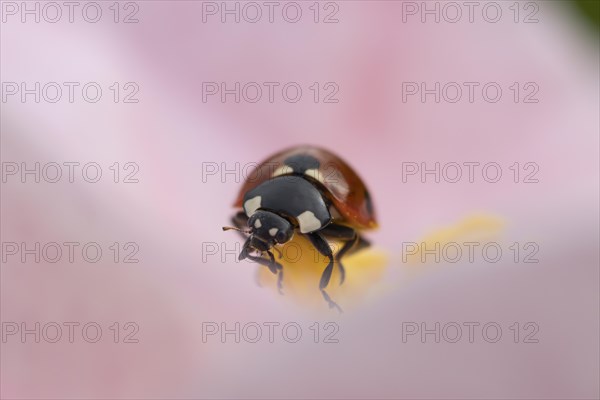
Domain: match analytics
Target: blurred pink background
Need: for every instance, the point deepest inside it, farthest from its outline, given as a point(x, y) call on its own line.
point(170, 133)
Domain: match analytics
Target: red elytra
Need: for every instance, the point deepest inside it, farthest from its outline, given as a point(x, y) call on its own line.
point(343, 187)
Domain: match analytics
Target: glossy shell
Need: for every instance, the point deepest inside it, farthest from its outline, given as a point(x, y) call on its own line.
point(290, 196)
point(342, 186)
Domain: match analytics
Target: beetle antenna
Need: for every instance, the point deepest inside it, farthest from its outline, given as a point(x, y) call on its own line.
point(227, 228)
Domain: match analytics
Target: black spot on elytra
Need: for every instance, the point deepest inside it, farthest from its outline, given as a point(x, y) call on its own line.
point(302, 162)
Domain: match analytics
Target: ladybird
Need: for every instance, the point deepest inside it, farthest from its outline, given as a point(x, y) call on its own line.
point(309, 191)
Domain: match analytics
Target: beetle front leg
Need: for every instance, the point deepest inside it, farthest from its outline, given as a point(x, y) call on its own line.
point(273, 266)
point(350, 238)
point(245, 250)
point(279, 274)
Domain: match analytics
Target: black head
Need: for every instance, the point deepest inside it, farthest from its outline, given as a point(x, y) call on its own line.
point(269, 228)
point(266, 229)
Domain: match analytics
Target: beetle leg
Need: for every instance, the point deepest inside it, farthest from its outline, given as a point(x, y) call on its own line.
point(322, 247)
point(273, 266)
point(245, 250)
point(338, 257)
point(336, 231)
point(352, 243)
point(344, 233)
point(279, 274)
point(263, 261)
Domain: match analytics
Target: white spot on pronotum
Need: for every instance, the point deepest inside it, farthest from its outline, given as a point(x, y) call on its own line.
point(315, 174)
point(308, 222)
point(257, 224)
point(273, 231)
point(283, 170)
point(250, 206)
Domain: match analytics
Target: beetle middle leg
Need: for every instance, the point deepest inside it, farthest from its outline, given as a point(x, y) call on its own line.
point(352, 243)
point(322, 247)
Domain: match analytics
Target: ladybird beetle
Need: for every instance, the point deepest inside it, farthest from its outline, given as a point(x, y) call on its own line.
point(310, 191)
